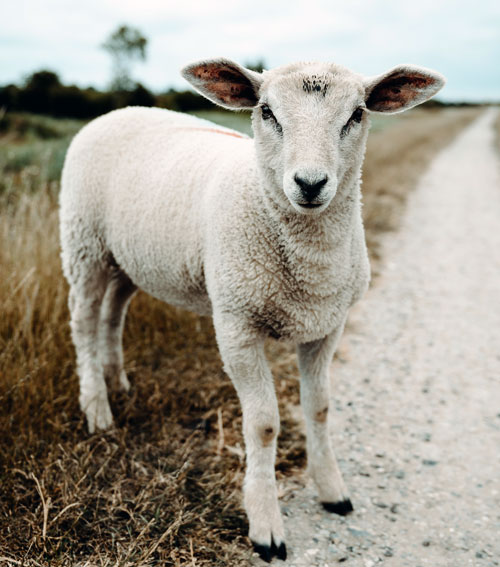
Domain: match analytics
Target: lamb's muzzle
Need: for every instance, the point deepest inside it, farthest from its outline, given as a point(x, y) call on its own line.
point(310, 187)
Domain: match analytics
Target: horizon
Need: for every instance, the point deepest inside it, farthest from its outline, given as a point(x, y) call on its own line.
point(368, 37)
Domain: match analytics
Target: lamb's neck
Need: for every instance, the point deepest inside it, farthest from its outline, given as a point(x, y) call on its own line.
point(317, 236)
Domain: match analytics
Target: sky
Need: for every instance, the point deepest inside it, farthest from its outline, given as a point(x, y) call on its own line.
point(459, 39)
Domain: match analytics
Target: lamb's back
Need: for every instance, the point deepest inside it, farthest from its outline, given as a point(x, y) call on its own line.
point(144, 180)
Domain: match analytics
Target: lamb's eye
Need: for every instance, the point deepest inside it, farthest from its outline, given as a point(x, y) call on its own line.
point(267, 114)
point(356, 116)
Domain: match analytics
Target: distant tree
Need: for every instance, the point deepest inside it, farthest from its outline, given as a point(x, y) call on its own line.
point(9, 97)
point(258, 65)
point(37, 94)
point(183, 101)
point(140, 96)
point(43, 80)
point(125, 45)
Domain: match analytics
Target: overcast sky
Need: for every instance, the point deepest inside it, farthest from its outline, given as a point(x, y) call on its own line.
point(459, 39)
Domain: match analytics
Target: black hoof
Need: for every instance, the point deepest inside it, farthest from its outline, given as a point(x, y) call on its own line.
point(341, 508)
point(264, 551)
point(267, 552)
point(280, 551)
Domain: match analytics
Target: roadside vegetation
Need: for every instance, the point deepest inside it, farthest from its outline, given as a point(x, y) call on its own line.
point(497, 129)
point(163, 486)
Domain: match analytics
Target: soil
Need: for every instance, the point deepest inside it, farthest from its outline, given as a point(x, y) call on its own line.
point(416, 397)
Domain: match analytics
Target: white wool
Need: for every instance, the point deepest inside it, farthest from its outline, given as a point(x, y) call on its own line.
point(218, 223)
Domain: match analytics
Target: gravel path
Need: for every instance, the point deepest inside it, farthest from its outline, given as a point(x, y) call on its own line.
point(417, 426)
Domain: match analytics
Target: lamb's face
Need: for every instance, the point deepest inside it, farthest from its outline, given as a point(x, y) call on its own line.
point(310, 120)
point(310, 128)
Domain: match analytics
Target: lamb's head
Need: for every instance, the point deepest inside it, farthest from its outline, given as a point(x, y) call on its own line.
point(310, 120)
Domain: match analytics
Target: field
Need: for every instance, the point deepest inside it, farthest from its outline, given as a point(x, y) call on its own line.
point(164, 485)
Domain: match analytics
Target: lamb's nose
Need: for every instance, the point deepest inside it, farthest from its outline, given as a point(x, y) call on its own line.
point(310, 189)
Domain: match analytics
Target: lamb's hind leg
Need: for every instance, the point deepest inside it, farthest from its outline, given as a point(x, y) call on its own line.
point(119, 292)
point(87, 288)
point(314, 363)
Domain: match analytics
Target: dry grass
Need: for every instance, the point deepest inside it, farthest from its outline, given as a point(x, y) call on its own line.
point(164, 485)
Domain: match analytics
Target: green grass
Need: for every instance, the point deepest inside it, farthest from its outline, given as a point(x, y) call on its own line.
point(381, 122)
point(32, 150)
point(239, 121)
point(46, 156)
point(22, 126)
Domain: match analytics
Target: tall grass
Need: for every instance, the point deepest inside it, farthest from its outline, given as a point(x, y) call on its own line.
point(163, 486)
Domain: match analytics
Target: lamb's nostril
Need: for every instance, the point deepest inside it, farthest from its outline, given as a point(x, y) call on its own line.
point(310, 189)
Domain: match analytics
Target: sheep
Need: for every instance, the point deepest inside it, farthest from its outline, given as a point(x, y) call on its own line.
point(263, 234)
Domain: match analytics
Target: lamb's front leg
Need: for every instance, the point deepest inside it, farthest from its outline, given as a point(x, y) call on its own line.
point(314, 362)
point(244, 360)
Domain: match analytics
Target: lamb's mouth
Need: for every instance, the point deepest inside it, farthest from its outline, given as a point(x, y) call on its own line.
point(310, 205)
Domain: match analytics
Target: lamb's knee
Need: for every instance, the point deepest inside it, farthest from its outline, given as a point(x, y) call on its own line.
point(321, 415)
point(261, 430)
point(267, 433)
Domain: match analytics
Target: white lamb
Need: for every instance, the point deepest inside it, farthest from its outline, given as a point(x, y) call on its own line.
point(265, 235)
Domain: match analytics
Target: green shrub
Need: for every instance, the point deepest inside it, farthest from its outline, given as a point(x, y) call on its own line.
point(18, 158)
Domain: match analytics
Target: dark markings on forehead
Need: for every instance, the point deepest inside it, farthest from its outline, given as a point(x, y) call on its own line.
point(315, 84)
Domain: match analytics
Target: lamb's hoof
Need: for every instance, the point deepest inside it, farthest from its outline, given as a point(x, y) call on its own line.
point(279, 551)
point(98, 414)
point(116, 377)
point(124, 383)
point(264, 551)
point(267, 552)
point(341, 508)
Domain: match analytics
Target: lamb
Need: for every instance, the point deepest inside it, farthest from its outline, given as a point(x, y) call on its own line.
point(263, 234)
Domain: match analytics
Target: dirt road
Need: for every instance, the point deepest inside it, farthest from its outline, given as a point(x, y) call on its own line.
point(417, 397)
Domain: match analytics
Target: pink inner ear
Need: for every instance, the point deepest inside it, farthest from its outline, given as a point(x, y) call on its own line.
point(226, 83)
point(397, 91)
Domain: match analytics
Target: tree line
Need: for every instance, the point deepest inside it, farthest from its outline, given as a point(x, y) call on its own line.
point(43, 93)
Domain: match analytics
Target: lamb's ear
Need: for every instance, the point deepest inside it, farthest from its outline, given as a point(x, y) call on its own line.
point(401, 88)
point(224, 82)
